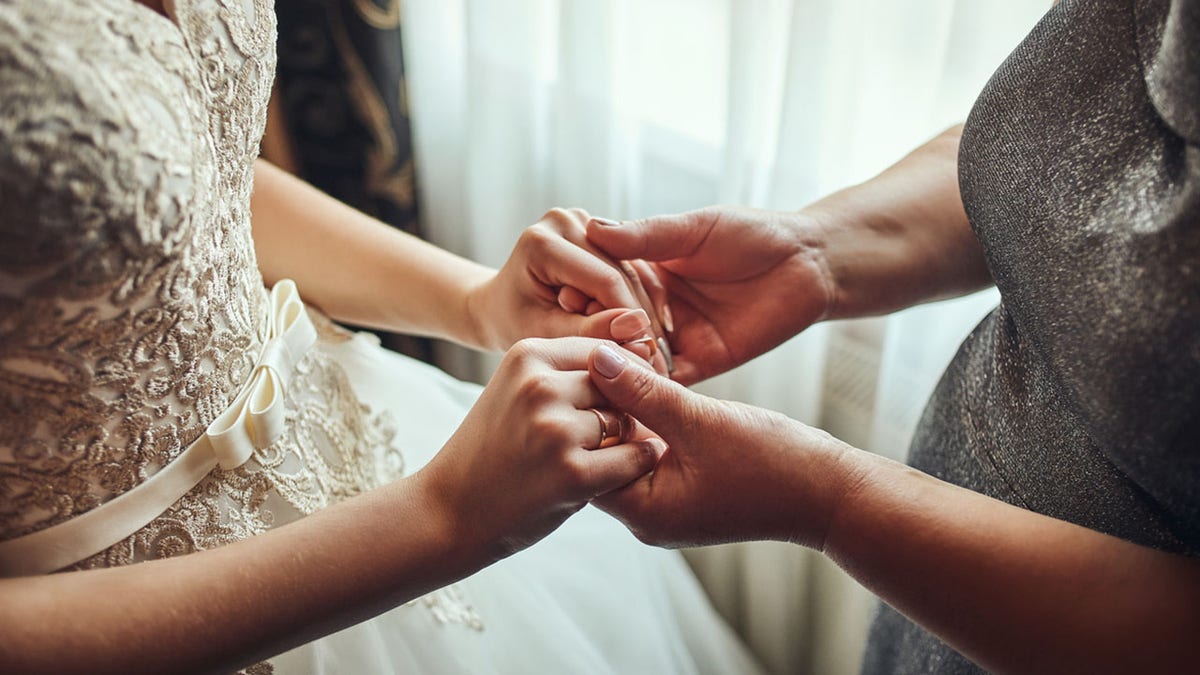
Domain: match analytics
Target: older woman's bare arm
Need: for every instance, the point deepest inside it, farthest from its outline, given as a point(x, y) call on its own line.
point(1013, 590)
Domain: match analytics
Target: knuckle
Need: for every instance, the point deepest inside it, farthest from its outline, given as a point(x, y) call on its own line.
point(578, 219)
point(537, 237)
point(556, 219)
point(548, 429)
point(525, 352)
point(536, 387)
point(645, 456)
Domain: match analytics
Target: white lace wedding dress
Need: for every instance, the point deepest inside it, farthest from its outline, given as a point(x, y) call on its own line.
point(132, 314)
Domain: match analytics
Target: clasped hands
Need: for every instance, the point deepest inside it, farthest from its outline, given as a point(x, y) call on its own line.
point(725, 285)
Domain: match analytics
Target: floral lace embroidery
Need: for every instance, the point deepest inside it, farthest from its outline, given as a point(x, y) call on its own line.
point(131, 306)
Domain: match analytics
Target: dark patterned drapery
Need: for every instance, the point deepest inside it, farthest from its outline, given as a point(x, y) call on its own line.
point(339, 118)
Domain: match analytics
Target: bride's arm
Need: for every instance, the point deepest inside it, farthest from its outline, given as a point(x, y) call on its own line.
point(221, 609)
point(356, 268)
point(359, 270)
point(513, 471)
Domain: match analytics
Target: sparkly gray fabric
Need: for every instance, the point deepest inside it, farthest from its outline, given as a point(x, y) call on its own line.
point(1079, 396)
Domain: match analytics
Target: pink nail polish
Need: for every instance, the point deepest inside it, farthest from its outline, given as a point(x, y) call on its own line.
point(629, 326)
point(609, 363)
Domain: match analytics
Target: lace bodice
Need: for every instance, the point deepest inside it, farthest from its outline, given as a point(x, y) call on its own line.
point(131, 305)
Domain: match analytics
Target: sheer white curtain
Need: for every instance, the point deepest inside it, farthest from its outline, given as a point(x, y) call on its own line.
point(630, 108)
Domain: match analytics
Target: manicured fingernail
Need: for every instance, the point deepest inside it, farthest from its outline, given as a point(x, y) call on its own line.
point(642, 347)
point(668, 321)
point(629, 326)
point(609, 363)
point(606, 222)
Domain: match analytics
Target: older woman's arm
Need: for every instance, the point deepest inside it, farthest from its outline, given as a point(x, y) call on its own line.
point(1013, 590)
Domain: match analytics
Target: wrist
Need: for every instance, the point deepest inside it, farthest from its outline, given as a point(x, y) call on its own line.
point(863, 478)
point(476, 330)
point(462, 547)
point(868, 256)
point(825, 480)
point(815, 229)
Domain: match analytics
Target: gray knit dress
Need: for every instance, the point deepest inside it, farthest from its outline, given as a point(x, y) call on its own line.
point(1079, 396)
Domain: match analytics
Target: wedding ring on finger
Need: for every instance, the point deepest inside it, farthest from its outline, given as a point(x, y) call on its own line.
point(612, 427)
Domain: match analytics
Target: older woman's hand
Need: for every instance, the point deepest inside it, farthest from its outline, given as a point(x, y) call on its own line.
point(729, 283)
point(731, 472)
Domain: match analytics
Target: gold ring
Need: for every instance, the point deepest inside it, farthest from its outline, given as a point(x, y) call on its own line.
point(607, 439)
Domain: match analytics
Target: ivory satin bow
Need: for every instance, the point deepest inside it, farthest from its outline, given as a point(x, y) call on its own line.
point(255, 419)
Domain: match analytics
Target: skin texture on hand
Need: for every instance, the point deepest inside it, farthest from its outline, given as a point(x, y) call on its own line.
point(364, 272)
point(522, 461)
point(526, 297)
point(525, 458)
point(1013, 590)
point(734, 282)
point(730, 472)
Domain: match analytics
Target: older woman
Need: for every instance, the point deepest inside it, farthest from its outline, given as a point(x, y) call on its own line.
point(1051, 519)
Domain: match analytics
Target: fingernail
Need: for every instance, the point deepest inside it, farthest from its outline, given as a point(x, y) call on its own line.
point(606, 222)
point(609, 363)
point(642, 347)
point(631, 325)
point(658, 445)
point(668, 321)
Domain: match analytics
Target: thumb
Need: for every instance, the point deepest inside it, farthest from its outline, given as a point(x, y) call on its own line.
point(656, 238)
point(657, 402)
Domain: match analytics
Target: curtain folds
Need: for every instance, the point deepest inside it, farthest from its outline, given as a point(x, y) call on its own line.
point(630, 108)
point(339, 113)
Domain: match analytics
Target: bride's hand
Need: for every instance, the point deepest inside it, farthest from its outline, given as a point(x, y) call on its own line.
point(525, 458)
point(556, 284)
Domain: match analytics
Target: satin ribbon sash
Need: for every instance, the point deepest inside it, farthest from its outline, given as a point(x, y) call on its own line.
point(254, 420)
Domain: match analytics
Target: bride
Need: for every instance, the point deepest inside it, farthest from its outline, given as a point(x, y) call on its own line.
point(295, 498)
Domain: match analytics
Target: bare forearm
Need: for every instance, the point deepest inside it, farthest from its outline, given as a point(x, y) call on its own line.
point(221, 609)
point(356, 268)
point(901, 238)
point(1014, 590)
